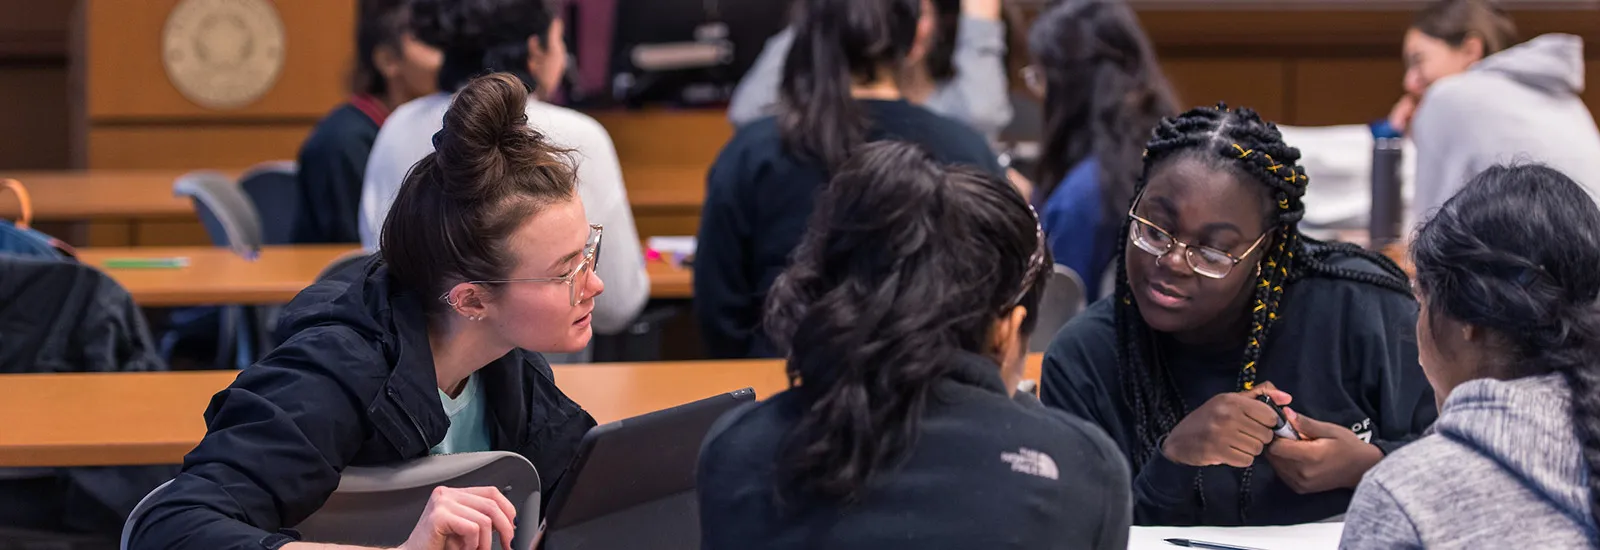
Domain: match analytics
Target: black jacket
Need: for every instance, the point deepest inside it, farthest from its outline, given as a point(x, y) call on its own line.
point(758, 200)
point(63, 316)
point(328, 175)
point(352, 384)
point(57, 315)
point(1346, 351)
point(986, 471)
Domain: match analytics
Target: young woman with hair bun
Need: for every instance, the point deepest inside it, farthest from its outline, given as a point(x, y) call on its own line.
point(433, 347)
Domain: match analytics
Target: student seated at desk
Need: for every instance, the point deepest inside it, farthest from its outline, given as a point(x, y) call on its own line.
point(962, 77)
point(522, 38)
point(421, 351)
point(1219, 299)
point(1509, 336)
point(1481, 99)
point(838, 92)
point(392, 67)
point(906, 315)
point(1102, 92)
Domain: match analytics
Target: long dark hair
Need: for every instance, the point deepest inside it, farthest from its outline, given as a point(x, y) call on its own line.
point(836, 43)
point(1104, 93)
point(1253, 150)
point(906, 261)
point(382, 24)
point(481, 36)
point(491, 172)
point(1454, 21)
point(1515, 252)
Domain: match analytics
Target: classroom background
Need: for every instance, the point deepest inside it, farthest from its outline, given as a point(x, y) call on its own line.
point(118, 116)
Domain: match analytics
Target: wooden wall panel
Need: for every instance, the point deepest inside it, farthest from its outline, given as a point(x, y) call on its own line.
point(1591, 95)
point(33, 125)
point(1256, 83)
point(667, 138)
point(126, 79)
point(182, 148)
point(1344, 91)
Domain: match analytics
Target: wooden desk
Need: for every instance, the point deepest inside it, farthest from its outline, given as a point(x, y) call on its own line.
point(73, 196)
point(668, 282)
point(156, 418)
point(217, 275)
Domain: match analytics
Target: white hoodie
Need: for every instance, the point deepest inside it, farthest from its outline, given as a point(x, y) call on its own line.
point(1519, 105)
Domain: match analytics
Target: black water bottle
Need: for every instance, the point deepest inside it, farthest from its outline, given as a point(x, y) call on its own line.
point(1384, 224)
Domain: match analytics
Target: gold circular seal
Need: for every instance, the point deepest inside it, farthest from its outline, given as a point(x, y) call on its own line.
point(223, 54)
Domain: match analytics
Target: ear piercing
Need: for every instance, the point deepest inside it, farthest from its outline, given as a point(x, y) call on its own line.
point(474, 317)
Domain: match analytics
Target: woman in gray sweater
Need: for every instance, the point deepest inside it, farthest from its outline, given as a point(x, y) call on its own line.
point(1509, 336)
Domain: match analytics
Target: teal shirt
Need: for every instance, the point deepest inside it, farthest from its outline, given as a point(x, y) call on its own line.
point(469, 432)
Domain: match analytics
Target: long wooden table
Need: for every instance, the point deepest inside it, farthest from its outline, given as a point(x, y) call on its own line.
point(665, 199)
point(218, 276)
point(155, 418)
point(70, 196)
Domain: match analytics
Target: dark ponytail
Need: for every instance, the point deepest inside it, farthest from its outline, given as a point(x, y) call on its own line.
point(837, 43)
point(489, 174)
point(905, 263)
point(481, 36)
point(1516, 252)
point(1104, 94)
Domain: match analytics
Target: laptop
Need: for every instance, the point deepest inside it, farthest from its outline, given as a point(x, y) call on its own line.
point(632, 483)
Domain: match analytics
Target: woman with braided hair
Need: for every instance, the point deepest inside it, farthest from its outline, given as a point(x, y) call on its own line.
point(1220, 301)
point(1509, 337)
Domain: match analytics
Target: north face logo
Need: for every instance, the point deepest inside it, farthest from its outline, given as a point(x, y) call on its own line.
point(1031, 462)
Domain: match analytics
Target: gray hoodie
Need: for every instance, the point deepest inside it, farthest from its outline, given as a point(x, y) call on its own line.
point(1503, 469)
point(1519, 105)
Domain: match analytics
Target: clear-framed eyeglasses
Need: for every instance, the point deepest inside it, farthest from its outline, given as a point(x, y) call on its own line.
point(577, 280)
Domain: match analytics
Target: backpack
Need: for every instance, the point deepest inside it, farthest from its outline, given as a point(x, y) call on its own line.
point(20, 239)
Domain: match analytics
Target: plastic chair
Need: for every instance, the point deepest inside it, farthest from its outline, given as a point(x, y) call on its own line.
point(270, 187)
point(378, 506)
point(1062, 300)
point(230, 220)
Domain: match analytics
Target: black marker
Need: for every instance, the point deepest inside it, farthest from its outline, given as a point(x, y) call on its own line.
point(1191, 543)
point(1282, 429)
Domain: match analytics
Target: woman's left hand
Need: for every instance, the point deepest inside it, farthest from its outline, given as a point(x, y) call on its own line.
point(1328, 457)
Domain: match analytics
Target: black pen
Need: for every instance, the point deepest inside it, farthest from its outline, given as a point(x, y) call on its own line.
point(1191, 543)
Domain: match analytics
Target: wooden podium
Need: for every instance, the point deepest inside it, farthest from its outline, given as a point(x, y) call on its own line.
point(252, 88)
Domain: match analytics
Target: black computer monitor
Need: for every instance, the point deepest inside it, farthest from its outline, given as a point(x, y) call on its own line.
point(688, 51)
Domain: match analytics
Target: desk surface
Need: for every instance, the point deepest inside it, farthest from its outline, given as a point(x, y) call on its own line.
point(218, 276)
point(72, 196)
point(154, 418)
point(98, 195)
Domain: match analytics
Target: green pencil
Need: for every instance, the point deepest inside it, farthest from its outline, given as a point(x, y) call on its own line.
point(147, 263)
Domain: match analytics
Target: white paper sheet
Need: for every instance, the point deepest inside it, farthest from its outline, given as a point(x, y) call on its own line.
point(1311, 536)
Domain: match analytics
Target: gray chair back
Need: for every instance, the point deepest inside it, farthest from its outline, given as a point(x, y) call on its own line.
point(227, 214)
point(271, 187)
point(378, 506)
point(1063, 299)
point(138, 513)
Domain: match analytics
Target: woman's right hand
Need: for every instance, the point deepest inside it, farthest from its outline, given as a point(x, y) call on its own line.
point(463, 519)
point(1231, 429)
point(1400, 115)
